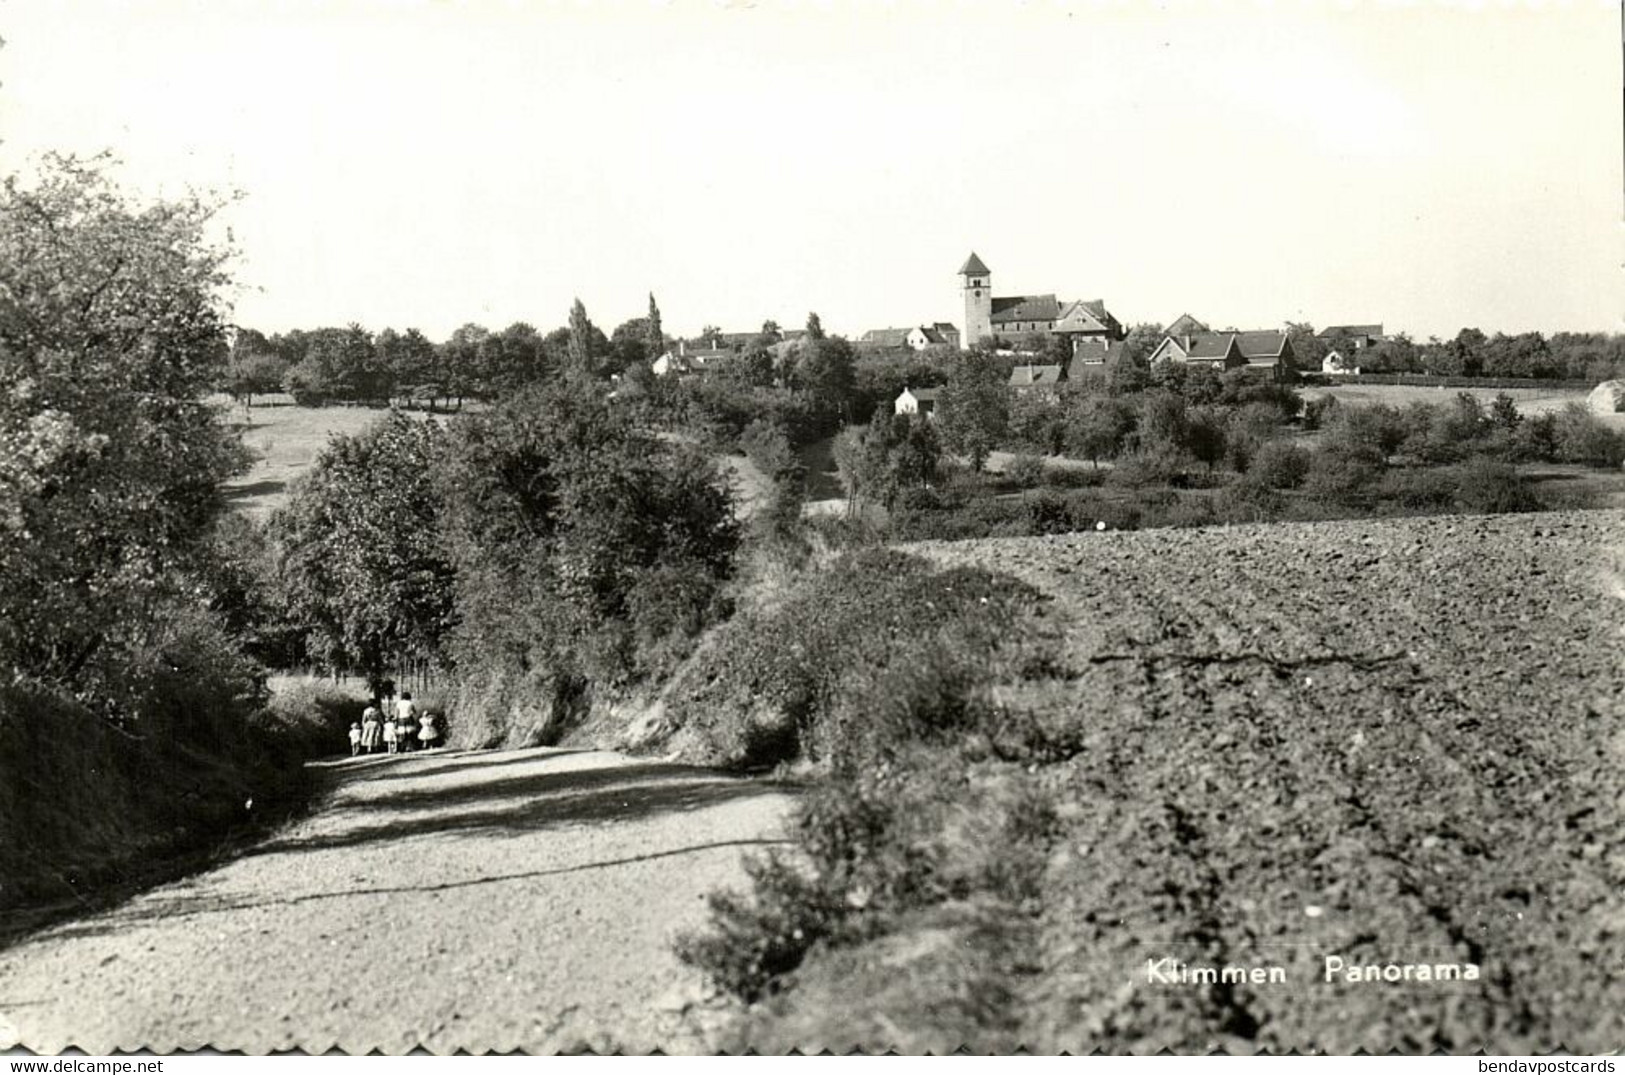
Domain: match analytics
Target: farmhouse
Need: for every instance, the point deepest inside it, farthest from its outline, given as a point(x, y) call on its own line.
point(915, 338)
point(1095, 355)
point(1043, 378)
point(988, 315)
point(1264, 349)
point(1217, 350)
point(916, 401)
point(686, 359)
point(1343, 341)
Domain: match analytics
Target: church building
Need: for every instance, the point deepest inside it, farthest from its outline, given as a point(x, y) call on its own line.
point(1009, 317)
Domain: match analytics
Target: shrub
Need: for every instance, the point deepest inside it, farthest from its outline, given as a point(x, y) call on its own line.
point(1140, 469)
point(793, 661)
point(1074, 477)
point(1489, 486)
point(1344, 475)
point(1581, 437)
point(1417, 489)
point(1025, 471)
point(1280, 465)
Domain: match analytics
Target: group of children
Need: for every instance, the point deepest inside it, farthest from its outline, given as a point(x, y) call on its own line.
point(396, 728)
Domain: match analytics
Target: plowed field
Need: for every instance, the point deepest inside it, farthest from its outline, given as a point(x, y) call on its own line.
point(1389, 743)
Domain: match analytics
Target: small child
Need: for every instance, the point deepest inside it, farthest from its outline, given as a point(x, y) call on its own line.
point(355, 738)
point(389, 733)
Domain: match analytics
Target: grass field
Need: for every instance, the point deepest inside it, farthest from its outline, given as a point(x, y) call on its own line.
point(285, 441)
point(1529, 400)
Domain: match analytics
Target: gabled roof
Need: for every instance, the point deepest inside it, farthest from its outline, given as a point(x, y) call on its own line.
point(947, 328)
point(1085, 316)
point(1035, 376)
point(1202, 345)
point(973, 266)
point(886, 337)
point(1349, 330)
point(1185, 324)
point(1267, 343)
point(924, 395)
point(1025, 308)
point(1093, 353)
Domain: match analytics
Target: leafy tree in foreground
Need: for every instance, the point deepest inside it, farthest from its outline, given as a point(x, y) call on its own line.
point(361, 568)
point(581, 545)
point(111, 334)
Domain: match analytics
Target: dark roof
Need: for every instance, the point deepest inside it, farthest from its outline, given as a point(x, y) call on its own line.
point(1031, 376)
point(1025, 308)
point(1185, 324)
point(973, 266)
point(1201, 345)
point(1095, 352)
point(947, 328)
point(1349, 330)
point(1267, 343)
point(886, 337)
point(924, 395)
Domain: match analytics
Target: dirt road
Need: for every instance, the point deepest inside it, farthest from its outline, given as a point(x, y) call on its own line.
point(474, 901)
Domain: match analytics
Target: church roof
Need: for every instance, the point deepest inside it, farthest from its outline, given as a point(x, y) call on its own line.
point(1025, 308)
point(973, 266)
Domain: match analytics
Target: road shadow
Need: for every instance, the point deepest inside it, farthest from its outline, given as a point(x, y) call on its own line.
point(253, 489)
point(521, 803)
point(375, 767)
point(504, 804)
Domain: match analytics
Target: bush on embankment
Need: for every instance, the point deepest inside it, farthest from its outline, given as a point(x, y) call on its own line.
point(890, 676)
point(94, 794)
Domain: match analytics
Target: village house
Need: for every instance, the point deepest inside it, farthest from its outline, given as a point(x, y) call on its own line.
point(915, 338)
point(1026, 378)
point(1095, 354)
point(1343, 342)
point(1010, 316)
point(916, 401)
point(1266, 350)
point(687, 360)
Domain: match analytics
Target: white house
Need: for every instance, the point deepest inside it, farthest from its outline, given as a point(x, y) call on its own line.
point(916, 401)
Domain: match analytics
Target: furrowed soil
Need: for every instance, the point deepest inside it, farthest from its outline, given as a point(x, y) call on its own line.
point(1382, 742)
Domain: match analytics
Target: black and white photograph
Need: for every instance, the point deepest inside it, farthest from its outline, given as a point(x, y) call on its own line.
point(845, 527)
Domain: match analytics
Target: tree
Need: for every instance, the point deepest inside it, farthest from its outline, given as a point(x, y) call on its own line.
point(655, 337)
point(1099, 428)
point(1308, 349)
point(111, 335)
point(253, 373)
point(823, 368)
point(580, 542)
point(459, 362)
point(815, 327)
point(360, 565)
point(581, 341)
point(1142, 340)
point(973, 409)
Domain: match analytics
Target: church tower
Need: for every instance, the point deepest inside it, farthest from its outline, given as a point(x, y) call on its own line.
point(978, 288)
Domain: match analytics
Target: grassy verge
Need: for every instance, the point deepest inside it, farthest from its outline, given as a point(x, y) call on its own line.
point(92, 810)
point(917, 858)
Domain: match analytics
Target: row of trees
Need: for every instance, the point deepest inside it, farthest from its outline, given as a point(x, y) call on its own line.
point(353, 364)
point(1572, 356)
point(541, 549)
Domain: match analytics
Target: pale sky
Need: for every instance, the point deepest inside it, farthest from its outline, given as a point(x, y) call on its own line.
point(429, 164)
